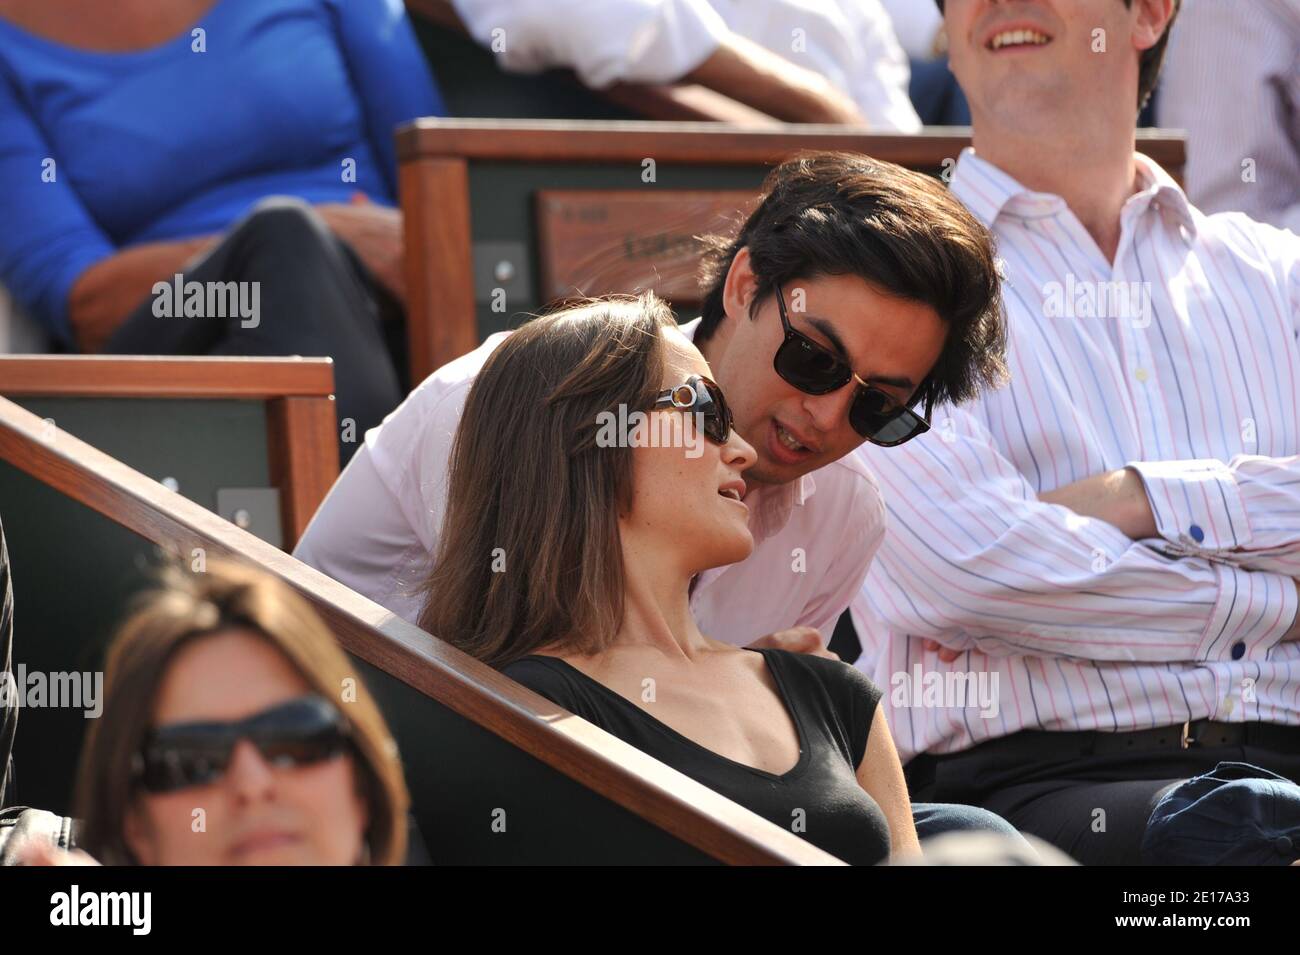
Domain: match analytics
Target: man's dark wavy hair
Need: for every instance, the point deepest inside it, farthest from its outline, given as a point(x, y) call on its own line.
point(901, 231)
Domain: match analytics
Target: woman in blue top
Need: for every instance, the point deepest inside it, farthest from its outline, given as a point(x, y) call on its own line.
point(231, 141)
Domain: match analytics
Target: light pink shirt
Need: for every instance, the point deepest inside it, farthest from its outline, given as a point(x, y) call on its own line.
point(375, 532)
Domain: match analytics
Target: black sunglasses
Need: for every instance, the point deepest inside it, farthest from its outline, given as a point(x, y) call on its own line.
point(301, 732)
point(704, 397)
point(816, 370)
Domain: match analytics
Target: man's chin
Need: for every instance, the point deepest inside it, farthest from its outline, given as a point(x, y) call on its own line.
point(1027, 105)
point(772, 473)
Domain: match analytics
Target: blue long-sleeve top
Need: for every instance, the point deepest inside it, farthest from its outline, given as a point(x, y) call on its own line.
point(99, 151)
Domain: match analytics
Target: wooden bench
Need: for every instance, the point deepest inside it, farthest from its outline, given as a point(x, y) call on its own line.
point(249, 438)
point(475, 744)
point(503, 217)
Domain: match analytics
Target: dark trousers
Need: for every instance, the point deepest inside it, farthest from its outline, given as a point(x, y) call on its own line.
point(316, 298)
point(1094, 807)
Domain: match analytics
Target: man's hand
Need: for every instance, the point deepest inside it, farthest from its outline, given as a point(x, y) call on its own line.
point(796, 640)
point(1117, 497)
point(945, 654)
point(375, 233)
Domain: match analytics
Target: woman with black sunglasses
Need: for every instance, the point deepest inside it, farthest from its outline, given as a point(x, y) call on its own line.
point(567, 560)
point(225, 738)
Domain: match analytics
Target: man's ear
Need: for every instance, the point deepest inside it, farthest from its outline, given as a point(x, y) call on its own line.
point(741, 285)
point(1151, 17)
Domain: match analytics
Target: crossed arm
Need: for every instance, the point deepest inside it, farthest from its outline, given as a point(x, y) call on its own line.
point(977, 559)
point(1120, 497)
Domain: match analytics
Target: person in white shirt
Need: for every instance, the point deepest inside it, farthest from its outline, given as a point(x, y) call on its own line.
point(828, 61)
point(1232, 80)
point(1088, 589)
point(856, 291)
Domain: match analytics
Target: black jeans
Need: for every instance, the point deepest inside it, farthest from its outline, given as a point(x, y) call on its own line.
point(315, 297)
point(1093, 807)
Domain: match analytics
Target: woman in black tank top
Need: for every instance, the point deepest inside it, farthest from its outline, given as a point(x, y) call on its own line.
point(595, 473)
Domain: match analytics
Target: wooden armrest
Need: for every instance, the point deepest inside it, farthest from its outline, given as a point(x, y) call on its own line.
point(150, 376)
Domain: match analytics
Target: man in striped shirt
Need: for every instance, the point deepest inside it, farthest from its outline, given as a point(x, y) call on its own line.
point(1087, 592)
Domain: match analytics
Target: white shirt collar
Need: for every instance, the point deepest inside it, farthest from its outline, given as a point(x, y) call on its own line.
point(987, 191)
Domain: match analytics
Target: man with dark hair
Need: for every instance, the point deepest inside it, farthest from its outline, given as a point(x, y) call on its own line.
point(1111, 541)
point(856, 291)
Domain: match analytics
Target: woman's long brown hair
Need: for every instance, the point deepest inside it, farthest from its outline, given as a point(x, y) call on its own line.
point(530, 555)
point(186, 607)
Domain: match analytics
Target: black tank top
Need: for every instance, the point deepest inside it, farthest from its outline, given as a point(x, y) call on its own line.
point(820, 799)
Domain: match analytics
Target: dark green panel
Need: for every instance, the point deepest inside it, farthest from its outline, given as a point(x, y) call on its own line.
point(472, 85)
point(203, 444)
point(461, 777)
point(73, 574)
point(74, 570)
point(502, 205)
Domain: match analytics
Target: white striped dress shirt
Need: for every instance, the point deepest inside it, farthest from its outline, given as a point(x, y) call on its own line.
point(1180, 359)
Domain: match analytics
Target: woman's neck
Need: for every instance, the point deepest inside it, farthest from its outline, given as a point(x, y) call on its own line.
point(657, 613)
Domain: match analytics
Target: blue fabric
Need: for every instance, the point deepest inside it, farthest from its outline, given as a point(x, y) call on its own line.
point(169, 142)
point(935, 95)
point(1236, 814)
point(936, 818)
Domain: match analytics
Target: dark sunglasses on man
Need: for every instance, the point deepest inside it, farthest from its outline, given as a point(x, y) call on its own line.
point(701, 396)
point(299, 732)
point(816, 370)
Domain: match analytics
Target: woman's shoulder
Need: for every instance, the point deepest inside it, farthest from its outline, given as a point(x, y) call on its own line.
point(852, 695)
point(837, 676)
point(549, 676)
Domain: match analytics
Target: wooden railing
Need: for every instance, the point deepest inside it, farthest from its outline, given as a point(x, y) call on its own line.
point(301, 429)
point(598, 761)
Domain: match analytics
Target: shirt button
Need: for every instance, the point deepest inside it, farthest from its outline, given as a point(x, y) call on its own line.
point(1283, 845)
point(1238, 650)
point(1198, 535)
point(1140, 374)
